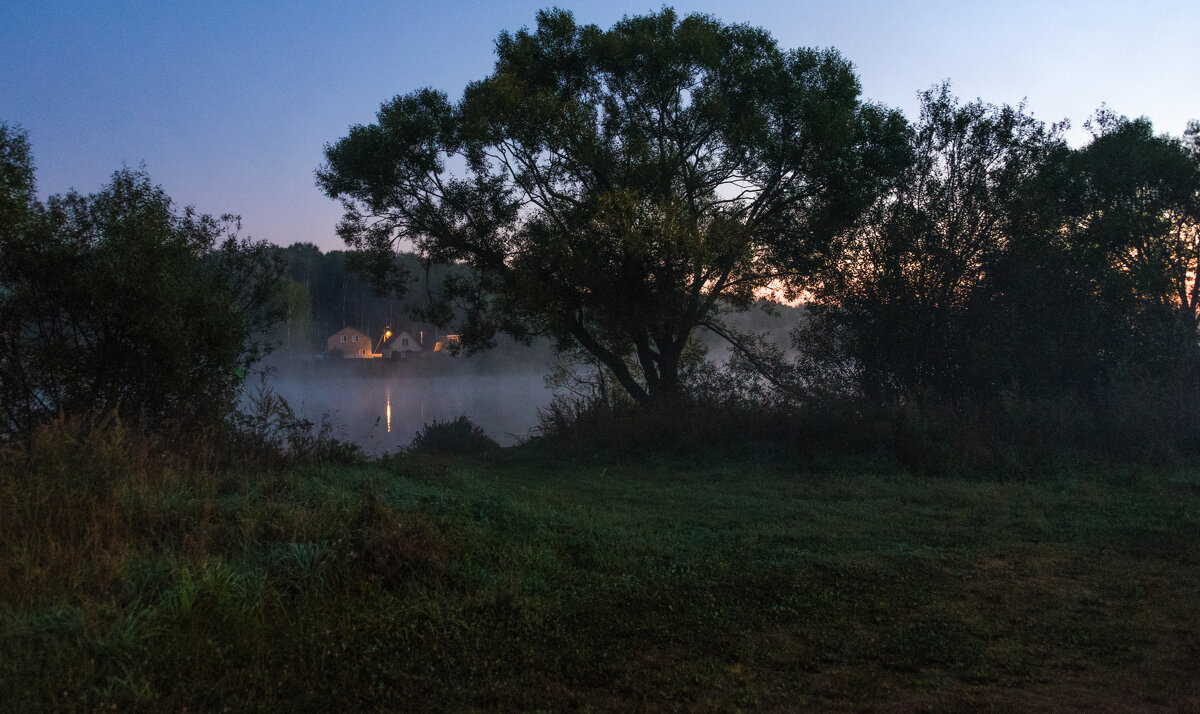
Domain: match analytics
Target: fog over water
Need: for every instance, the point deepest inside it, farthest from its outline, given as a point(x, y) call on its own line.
point(380, 404)
point(382, 412)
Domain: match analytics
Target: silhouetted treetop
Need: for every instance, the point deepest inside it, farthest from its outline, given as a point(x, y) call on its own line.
point(616, 189)
point(119, 301)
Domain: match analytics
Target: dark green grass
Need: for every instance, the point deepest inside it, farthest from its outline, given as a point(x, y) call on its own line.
point(533, 583)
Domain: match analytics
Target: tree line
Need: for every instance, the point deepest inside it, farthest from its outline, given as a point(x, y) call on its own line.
point(618, 190)
point(322, 292)
point(622, 192)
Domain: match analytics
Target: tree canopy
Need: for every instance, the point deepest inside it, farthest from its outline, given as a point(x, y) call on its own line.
point(910, 281)
point(1136, 201)
point(118, 301)
point(617, 189)
point(1000, 261)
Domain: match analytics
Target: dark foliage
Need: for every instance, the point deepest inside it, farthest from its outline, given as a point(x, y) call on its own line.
point(117, 302)
point(457, 437)
point(1003, 274)
point(622, 187)
point(909, 298)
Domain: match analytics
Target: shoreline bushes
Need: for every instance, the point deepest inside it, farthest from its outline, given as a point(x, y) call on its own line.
point(120, 302)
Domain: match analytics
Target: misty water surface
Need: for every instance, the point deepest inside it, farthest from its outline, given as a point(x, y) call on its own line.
point(383, 413)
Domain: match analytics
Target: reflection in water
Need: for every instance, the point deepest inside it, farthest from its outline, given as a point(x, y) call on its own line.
point(382, 414)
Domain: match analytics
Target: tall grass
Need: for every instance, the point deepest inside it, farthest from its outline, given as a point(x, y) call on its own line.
point(1011, 438)
point(126, 570)
point(133, 580)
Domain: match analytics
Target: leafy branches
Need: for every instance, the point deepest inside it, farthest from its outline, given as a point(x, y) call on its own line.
point(119, 302)
point(617, 189)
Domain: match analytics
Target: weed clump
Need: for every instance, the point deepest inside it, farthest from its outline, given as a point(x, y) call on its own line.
point(268, 432)
point(458, 437)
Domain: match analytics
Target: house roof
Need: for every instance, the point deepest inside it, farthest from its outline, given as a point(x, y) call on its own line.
point(414, 345)
point(348, 331)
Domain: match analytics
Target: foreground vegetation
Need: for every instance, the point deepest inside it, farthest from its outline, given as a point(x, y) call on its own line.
point(917, 508)
point(521, 580)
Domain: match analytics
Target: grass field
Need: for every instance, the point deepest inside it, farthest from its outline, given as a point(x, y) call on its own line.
point(536, 583)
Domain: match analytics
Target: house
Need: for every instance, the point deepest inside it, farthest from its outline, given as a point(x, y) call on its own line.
point(448, 343)
point(351, 343)
point(401, 345)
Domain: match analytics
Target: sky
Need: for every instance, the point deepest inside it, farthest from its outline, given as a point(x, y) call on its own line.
point(228, 105)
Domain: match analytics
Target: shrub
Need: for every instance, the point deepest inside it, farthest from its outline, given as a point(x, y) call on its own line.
point(268, 431)
point(460, 437)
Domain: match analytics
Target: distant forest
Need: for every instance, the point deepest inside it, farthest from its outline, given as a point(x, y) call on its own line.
point(324, 292)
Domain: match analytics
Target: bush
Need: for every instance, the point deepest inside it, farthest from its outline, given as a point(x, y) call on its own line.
point(268, 432)
point(119, 302)
point(689, 427)
point(1007, 438)
point(460, 437)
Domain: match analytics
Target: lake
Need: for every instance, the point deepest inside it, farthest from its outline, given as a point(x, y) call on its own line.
point(382, 413)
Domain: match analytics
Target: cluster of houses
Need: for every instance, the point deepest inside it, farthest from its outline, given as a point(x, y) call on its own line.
point(352, 343)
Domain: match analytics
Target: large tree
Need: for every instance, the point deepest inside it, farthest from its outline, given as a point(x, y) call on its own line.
point(615, 190)
point(118, 301)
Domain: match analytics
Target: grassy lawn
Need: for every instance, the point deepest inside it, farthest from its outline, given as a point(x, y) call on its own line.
point(533, 583)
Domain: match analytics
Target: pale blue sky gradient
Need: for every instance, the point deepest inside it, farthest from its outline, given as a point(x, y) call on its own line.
point(228, 104)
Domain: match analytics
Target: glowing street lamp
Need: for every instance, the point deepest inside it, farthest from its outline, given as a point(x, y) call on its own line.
point(387, 332)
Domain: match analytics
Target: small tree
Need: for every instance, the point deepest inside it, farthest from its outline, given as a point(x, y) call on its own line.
point(117, 301)
point(1136, 205)
point(617, 189)
point(903, 304)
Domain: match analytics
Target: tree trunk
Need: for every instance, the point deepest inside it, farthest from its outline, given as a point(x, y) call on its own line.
point(669, 391)
point(614, 363)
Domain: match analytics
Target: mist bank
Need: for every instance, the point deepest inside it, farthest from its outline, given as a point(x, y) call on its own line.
point(381, 403)
point(381, 412)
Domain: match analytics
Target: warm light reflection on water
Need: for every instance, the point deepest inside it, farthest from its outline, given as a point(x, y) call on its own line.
point(382, 414)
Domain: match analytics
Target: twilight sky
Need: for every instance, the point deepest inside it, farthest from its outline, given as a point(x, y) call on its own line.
point(229, 104)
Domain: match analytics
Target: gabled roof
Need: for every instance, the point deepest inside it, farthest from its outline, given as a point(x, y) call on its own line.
point(348, 331)
point(414, 345)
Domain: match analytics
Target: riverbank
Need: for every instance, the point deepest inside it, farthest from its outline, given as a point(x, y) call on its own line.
point(530, 582)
